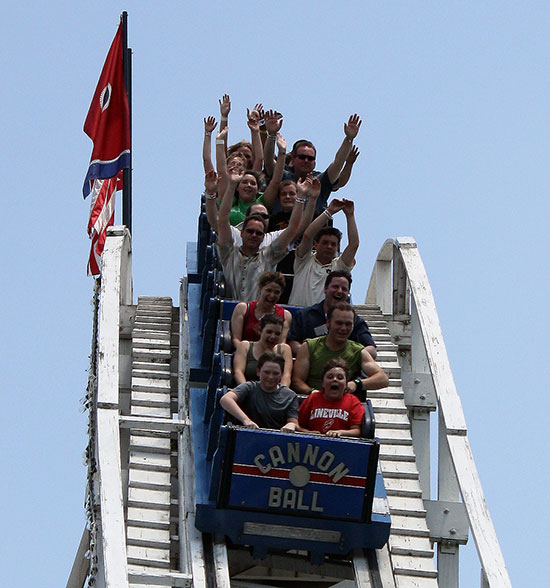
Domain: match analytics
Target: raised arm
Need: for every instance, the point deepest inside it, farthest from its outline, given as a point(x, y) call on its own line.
point(344, 177)
point(273, 124)
point(309, 186)
point(229, 404)
point(211, 195)
point(209, 125)
point(272, 190)
point(348, 255)
point(224, 228)
point(289, 234)
point(221, 160)
point(300, 371)
point(309, 234)
point(225, 108)
point(254, 126)
point(350, 131)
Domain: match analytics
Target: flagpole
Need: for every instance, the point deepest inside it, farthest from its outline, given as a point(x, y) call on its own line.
point(127, 172)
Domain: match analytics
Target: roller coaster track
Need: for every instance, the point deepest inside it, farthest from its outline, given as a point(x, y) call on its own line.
point(140, 493)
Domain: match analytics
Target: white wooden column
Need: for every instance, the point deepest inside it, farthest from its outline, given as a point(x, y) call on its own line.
point(112, 526)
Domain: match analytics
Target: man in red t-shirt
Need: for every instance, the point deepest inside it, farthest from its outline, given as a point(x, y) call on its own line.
point(332, 411)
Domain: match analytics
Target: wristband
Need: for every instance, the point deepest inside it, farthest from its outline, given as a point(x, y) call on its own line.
point(327, 213)
point(223, 118)
point(270, 136)
point(359, 384)
point(210, 196)
point(208, 133)
point(300, 200)
point(220, 142)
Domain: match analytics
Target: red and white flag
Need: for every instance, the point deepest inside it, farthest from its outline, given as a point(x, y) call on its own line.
point(102, 215)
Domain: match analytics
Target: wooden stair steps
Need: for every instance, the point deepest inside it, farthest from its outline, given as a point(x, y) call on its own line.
point(416, 546)
point(150, 452)
point(409, 551)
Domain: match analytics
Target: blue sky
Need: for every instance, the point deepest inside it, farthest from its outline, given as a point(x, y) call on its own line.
point(454, 143)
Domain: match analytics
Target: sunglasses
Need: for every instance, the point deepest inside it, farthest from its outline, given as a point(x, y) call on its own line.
point(254, 232)
point(306, 157)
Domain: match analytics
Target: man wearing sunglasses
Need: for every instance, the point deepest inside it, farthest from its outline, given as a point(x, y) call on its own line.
point(303, 157)
point(244, 264)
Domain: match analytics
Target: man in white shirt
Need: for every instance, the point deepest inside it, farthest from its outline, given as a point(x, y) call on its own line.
point(243, 264)
point(317, 254)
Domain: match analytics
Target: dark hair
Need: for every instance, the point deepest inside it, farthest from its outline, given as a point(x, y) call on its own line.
point(284, 183)
point(234, 148)
point(333, 231)
point(249, 209)
point(251, 218)
point(269, 319)
point(336, 362)
point(340, 306)
point(237, 155)
point(338, 274)
point(248, 172)
point(302, 143)
point(273, 357)
point(276, 277)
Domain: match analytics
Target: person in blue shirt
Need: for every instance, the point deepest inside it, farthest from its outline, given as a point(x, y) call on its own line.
point(311, 321)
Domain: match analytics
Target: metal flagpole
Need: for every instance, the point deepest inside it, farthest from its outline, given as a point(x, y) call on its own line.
point(127, 172)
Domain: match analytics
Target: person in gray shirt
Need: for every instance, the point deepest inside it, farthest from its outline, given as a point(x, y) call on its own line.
point(264, 404)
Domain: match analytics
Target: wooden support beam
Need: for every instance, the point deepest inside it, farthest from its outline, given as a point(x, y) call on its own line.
point(81, 565)
point(152, 423)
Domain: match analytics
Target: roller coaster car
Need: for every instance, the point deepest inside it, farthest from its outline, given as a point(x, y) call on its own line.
point(262, 488)
point(270, 489)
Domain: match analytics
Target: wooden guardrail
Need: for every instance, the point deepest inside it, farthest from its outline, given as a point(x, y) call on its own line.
point(399, 286)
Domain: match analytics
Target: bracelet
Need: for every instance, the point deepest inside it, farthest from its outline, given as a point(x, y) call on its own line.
point(223, 118)
point(270, 136)
point(300, 200)
point(210, 196)
point(327, 213)
point(220, 142)
point(207, 133)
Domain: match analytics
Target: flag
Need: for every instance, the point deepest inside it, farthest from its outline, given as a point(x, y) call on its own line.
point(102, 215)
point(108, 120)
point(108, 125)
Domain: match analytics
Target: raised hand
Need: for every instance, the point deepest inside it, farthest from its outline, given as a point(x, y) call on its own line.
point(349, 207)
point(315, 188)
point(211, 182)
point(273, 122)
point(352, 127)
point(225, 105)
point(281, 144)
point(353, 155)
point(335, 205)
point(235, 174)
point(303, 185)
point(209, 124)
point(259, 108)
point(253, 121)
